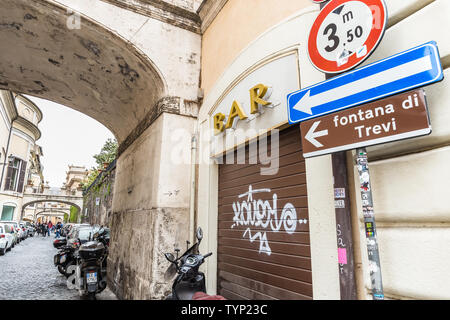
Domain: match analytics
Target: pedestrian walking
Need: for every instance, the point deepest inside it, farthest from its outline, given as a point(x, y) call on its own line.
point(49, 228)
point(44, 229)
point(58, 230)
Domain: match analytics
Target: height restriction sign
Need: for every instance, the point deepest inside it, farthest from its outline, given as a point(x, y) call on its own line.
point(345, 33)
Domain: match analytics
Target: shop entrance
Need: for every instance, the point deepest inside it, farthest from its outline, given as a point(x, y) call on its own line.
point(263, 236)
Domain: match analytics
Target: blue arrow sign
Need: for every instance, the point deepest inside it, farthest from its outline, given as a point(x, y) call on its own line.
point(411, 69)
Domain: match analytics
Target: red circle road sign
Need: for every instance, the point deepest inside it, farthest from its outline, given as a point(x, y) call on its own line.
point(345, 33)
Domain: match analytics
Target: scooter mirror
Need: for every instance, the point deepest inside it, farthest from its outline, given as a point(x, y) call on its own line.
point(199, 233)
point(170, 257)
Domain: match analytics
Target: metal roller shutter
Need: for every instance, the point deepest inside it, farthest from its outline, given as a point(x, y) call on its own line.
point(263, 236)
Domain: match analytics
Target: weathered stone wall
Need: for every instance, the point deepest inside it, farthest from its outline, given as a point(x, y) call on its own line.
point(135, 67)
point(150, 207)
point(97, 200)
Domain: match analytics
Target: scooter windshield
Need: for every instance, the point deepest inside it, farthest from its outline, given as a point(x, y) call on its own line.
point(172, 270)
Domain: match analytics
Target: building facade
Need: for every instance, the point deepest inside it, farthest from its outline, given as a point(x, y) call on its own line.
point(20, 164)
point(268, 214)
point(98, 197)
point(75, 176)
point(276, 233)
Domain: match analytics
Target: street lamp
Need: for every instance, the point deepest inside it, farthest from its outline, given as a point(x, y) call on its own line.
point(10, 159)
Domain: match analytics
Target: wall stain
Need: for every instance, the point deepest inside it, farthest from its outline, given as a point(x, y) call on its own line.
point(14, 25)
point(54, 62)
point(29, 16)
point(125, 70)
point(91, 47)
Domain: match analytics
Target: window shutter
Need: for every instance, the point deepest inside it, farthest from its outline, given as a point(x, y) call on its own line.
point(23, 168)
point(9, 173)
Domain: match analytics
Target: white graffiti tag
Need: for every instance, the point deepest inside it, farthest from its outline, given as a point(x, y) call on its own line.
point(263, 215)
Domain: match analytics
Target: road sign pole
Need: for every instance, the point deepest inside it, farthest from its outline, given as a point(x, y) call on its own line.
point(362, 165)
point(346, 261)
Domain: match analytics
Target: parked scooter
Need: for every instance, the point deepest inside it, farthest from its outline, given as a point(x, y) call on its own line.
point(66, 256)
point(91, 265)
point(189, 281)
point(59, 242)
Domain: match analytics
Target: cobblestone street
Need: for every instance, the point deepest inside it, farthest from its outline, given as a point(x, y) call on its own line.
point(27, 273)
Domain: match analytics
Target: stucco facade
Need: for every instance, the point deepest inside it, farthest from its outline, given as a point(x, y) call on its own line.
point(137, 67)
point(20, 162)
point(408, 177)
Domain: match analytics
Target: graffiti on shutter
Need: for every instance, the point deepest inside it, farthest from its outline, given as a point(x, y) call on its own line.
point(260, 213)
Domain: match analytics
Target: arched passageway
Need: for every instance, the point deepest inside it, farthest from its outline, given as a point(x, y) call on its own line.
point(25, 205)
point(89, 68)
point(97, 72)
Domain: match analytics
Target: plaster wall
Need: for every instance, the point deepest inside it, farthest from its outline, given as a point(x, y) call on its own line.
point(150, 207)
point(409, 190)
point(408, 177)
point(19, 147)
point(281, 37)
point(173, 50)
point(238, 24)
point(4, 132)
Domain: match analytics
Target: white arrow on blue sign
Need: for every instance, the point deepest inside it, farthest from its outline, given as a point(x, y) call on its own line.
point(410, 69)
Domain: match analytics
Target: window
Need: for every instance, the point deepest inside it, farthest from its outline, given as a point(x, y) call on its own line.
point(85, 234)
point(7, 213)
point(15, 175)
point(1, 230)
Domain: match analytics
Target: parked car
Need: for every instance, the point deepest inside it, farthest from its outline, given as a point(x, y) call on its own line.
point(68, 227)
point(81, 232)
point(24, 228)
point(17, 231)
point(29, 228)
point(6, 238)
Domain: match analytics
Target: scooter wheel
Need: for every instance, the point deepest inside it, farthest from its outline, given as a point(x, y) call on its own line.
point(61, 270)
point(68, 268)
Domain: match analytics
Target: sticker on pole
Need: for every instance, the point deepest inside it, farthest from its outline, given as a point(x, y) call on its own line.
point(345, 33)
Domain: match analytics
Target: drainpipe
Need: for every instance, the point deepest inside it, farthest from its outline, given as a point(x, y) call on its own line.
point(7, 145)
point(193, 187)
point(6, 157)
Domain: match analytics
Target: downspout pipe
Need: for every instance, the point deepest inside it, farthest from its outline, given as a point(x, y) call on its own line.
point(2, 187)
point(193, 187)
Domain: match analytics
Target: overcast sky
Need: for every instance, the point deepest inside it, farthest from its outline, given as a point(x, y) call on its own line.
point(68, 137)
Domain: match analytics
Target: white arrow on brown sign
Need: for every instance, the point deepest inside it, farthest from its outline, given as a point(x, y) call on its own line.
point(395, 118)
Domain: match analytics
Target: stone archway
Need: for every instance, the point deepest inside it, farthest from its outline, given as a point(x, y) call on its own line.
point(97, 72)
point(51, 213)
point(89, 69)
point(51, 200)
point(71, 203)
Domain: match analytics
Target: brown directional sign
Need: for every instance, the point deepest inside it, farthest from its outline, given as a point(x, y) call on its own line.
point(395, 118)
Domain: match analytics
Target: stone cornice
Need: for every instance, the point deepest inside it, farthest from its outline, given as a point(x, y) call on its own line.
point(31, 104)
point(10, 106)
point(208, 11)
point(162, 11)
point(173, 105)
point(30, 126)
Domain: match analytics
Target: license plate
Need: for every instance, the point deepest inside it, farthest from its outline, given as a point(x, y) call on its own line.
point(91, 277)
